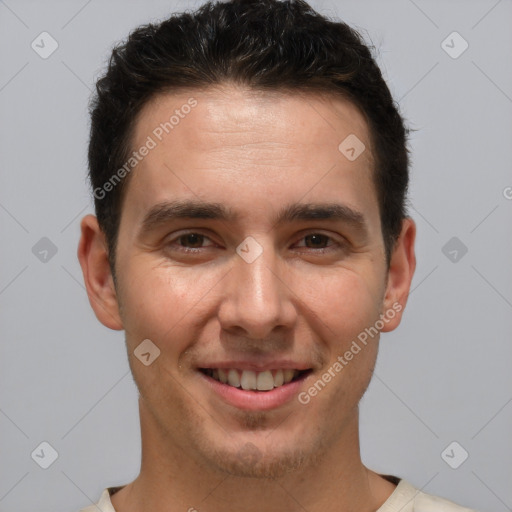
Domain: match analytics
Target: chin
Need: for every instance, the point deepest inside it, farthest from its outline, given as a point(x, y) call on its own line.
point(264, 455)
point(250, 462)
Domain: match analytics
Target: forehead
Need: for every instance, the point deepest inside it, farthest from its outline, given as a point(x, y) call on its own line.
point(238, 143)
point(221, 113)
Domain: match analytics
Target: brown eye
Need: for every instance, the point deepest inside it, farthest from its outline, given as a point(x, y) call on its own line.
point(192, 240)
point(318, 241)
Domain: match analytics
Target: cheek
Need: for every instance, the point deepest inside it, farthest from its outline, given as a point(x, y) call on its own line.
point(162, 303)
point(344, 301)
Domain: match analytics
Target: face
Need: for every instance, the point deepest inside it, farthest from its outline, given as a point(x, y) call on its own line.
point(250, 251)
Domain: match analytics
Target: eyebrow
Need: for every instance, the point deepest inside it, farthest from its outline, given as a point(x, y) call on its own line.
point(167, 211)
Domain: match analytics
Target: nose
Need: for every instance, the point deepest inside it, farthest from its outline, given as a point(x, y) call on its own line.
point(257, 297)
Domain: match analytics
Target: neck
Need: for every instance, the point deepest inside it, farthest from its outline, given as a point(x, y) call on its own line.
point(173, 479)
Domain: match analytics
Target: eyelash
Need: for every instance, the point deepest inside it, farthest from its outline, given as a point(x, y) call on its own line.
point(336, 245)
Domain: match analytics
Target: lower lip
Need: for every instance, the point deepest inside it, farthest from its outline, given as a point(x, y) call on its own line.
point(255, 400)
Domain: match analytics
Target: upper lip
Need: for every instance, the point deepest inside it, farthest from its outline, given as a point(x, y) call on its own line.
point(257, 366)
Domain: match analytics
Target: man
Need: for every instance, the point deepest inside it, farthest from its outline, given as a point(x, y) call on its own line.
point(250, 170)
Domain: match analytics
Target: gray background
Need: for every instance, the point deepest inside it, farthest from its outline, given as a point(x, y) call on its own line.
point(443, 376)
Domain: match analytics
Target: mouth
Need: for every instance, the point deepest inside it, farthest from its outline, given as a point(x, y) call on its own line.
point(252, 390)
point(249, 380)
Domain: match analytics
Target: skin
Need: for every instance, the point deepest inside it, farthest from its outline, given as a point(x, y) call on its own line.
point(301, 299)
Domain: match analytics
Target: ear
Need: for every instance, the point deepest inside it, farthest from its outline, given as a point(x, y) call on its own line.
point(93, 256)
point(400, 274)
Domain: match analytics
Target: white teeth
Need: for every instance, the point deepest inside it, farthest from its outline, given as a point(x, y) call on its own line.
point(223, 376)
point(265, 381)
point(250, 380)
point(233, 378)
point(278, 378)
point(288, 375)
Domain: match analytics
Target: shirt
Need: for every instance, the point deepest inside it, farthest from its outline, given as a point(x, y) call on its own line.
point(405, 498)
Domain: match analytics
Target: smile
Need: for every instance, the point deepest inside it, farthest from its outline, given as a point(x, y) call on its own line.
point(252, 390)
point(252, 380)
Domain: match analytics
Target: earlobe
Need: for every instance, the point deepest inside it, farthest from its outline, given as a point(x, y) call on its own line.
point(93, 257)
point(401, 271)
